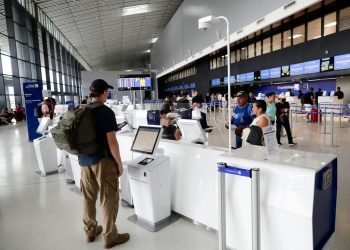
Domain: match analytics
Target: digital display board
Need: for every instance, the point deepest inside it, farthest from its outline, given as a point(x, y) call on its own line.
point(250, 76)
point(193, 85)
point(327, 64)
point(134, 82)
point(186, 86)
point(257, 75)
point(242, 77)
point(215, 82)
point(285, 71)
point(275, 72)
point(342, 62)
point(232, 80)
point(297, 69)
point(312, 67)
point(265, 74)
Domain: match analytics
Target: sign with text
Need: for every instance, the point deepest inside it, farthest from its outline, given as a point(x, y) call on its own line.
point(33, 96)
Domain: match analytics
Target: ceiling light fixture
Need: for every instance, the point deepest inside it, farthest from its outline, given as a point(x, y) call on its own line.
point(137, 9)
point(328, 25)
point(154, 40)
point(148, 51)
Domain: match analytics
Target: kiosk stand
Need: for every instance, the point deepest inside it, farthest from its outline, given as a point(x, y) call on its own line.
point(45, 150)
point(192, 131)
point(149, 177)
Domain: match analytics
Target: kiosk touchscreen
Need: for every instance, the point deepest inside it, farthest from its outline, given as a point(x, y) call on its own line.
point(44, 123)
point(191, 131)
point(146, 139)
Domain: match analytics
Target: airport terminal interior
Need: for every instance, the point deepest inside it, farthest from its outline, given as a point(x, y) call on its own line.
point(233, 123)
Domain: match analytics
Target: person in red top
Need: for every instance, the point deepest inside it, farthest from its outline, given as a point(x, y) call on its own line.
point(19, 112)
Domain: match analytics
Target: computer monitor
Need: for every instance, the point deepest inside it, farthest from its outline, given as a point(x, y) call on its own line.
point(147, 139)
point(44, 123)
point(139, 118)
point(124, 108)
point(153, 117)
point(191, 131)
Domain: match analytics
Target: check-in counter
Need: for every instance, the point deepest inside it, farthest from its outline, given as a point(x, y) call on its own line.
point(332, 103)
point(297, 200)
point(298, 192)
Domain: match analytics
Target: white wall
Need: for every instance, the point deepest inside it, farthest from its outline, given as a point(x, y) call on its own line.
point(344, 84)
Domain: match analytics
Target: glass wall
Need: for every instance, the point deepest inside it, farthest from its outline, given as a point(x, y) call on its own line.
point(32, 52)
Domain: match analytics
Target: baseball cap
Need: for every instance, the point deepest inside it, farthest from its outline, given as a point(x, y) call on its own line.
point(100, 85)
point(197, 99)
point(242, 93)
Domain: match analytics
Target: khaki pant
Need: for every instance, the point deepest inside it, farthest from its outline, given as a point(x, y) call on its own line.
point(100, 178)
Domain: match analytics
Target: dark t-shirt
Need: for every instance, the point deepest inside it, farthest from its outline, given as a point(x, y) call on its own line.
point(282, 109)
point(308, 98)
point(340, 94)
point(105, 122)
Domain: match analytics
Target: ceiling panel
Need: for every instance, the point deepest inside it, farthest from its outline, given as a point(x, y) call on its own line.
point(106, 39)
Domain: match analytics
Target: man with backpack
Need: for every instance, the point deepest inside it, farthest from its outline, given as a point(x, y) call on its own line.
point(100, 172)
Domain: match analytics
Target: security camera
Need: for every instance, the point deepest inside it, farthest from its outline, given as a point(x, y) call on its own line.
point(203, 26)
point(205, 22)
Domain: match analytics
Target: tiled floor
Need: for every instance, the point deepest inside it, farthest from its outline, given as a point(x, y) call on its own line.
point(44, 213)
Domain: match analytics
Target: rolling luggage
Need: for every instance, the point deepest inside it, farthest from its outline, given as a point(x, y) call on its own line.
point(314, 115)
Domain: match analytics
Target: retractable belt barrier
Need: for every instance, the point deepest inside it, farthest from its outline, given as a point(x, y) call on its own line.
point(254, 175)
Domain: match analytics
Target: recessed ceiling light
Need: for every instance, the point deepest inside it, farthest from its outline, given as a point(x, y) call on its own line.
point(137, 9)
point(328, 25)
point(128, 70)
point(147, 51)
point(154, 40)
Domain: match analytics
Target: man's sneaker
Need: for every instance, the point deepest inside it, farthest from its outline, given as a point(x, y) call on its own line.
point(279, 143)
point(122, 238)
point(292, 144)
point(99, 230)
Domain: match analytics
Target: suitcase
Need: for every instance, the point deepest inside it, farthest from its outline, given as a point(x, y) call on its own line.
point(314, 115)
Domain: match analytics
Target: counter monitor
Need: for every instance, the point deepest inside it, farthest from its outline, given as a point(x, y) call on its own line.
point(146, 139)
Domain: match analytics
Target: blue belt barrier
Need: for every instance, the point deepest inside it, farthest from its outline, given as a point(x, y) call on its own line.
point(223, 168)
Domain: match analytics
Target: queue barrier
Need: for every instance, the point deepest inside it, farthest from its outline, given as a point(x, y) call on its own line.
point(254, 175)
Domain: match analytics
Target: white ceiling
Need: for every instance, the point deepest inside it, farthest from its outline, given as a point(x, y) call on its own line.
point(106, 39)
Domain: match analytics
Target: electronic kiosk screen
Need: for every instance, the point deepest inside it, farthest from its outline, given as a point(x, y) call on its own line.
point(146, 139)
point(44, 123)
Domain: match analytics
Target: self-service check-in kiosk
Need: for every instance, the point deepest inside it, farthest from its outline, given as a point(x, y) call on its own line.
point(149, 177)
point(45, 150)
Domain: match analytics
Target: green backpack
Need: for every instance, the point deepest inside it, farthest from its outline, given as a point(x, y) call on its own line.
point(76, 132)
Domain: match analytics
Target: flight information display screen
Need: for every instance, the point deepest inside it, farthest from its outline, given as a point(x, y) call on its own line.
point(215, 82)
point(312, 67)
point(342, 62)
point(134, 82)
point(297, 69)
point(327, 64)
point(250, 76)
point(275, 72)
point(242, 77)
point(265, 74)
point(232, 80)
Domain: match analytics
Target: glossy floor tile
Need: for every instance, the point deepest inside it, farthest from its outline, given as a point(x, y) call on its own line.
point(44, 213)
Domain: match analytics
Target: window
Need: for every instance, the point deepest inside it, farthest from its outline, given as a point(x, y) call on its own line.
point(251, 50)
point(258, 48)
point(277, 42)
point(238, 55)
point(344, 19)
point(233, 57)
point(266, 45)
point(243, 53)
point(287, 39)
point(314, 29)
point(6, 65)
point(299, 34)
point(330, 24)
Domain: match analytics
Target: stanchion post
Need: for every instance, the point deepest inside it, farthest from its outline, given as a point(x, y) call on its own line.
point(332, 129)
point(296, 114)
point(214, 111)
point(291, 120)
point(256, 244)
point(325, 120)
point(222, 209)
point(319, 112)
point(340, 114)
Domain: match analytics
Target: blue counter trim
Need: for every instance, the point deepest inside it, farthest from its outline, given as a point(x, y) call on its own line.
point(324, 210)
point(235, 171)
